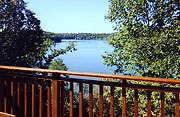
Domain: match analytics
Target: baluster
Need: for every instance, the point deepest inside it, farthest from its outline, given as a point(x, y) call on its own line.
point(25, 100)
point(112, 102)
point(1, 95)
point(15, 101)
point(5, 96)
point(123, 102)
point(19, 98)
point(62, 98)
point(71, 99)
point(80, 100)
point(49, 98)
point(33, 99)
point(41, 98)
point(101, 100)
point(177, 106)
point(90, 100)
point(12, 98)
point(136, 103)
point(8, 94)
point(162, 105)
point(149, 103)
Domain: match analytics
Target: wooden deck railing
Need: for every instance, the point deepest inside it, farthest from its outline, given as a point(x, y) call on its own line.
point(31, 92)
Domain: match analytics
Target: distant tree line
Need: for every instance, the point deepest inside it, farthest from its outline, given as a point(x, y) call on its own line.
point(53, 36)
point(78, 36)
point(90, 36)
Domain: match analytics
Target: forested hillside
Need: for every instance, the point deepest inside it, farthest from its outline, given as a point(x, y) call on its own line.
point(78, 36)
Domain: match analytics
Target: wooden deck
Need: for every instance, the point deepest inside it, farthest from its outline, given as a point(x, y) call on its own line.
point(29, 92)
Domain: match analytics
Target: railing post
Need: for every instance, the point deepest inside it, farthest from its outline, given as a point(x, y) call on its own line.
point(55, 96)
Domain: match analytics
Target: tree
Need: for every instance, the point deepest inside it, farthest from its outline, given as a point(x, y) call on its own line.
point(21, 37)
point(147, 42)
point(22, 41)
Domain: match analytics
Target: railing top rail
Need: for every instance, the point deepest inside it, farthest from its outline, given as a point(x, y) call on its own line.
point(122, 77)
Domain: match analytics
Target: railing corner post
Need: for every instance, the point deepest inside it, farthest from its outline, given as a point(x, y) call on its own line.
point(55, 96)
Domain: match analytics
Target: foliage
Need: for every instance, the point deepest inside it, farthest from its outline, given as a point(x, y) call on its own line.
point(58, 64)
point(75, 100)
point(20, 34)
point(111, 36)
point(22, 41)
point(142, 100)
point(50, 60)
point(147, 42)
point(53, 36)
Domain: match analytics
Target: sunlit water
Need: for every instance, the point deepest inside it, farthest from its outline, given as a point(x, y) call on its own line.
point(87, 57)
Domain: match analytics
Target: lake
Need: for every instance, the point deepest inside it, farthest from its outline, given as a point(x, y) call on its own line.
point(87, 57)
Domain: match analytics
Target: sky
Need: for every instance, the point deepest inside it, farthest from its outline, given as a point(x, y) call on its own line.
point(72, 16)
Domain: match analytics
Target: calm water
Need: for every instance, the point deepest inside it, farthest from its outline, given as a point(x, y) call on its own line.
point(87, 57)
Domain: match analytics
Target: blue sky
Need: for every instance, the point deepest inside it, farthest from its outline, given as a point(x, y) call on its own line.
point(72, 16)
